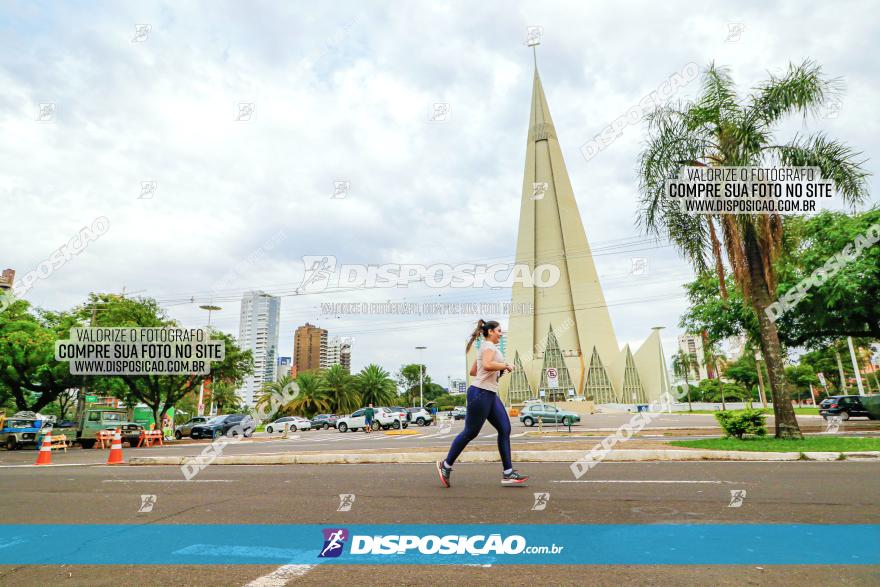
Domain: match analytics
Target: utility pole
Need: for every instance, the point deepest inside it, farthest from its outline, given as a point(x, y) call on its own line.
point(852, 355)
point(421, 376)
point(760, 380)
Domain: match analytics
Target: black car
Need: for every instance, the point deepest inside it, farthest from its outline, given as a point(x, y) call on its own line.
point(219, 425)
point(324, 421)
point(843, 407)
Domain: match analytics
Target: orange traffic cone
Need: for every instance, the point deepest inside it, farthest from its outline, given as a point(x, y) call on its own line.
point(115, 457)
point(44, 457)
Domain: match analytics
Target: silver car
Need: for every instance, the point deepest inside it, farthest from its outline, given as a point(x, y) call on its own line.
point(186, 428)
point(293, 423)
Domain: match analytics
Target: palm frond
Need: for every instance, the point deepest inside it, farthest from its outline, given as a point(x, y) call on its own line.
point(802, 88)
point(837, 161)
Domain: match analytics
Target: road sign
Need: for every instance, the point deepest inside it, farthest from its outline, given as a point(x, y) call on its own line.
point(552, 378)
point(90, 399)
point(821, 377)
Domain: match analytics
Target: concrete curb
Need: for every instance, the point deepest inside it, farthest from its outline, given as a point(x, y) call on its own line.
point(546, 456)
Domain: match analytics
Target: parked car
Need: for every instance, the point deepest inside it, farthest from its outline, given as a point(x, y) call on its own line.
point(405, 411)
point(420, 416)
point(533, 413)
point(458, 412)
point(382, 418)
point(293, 423)
point(843, 407)
point(324, 421)
point(185, 429)
point(220, 425)
point(399, 412)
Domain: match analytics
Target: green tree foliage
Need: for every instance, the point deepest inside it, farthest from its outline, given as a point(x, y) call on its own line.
point(341, 391)
point(722, 129)
point(847, 304)
point(375, 386)
point(30, 377)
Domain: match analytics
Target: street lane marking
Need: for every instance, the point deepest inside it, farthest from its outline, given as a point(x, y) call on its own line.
point(281, 576)
point(169, 481)
point(637, 481)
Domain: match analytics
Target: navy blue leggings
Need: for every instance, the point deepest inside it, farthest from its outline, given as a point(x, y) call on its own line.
point(483, 405)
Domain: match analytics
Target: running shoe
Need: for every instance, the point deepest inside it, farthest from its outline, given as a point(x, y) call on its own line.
point(445, 473)
point(514, 478)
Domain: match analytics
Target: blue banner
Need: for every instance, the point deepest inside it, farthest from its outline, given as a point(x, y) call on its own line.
point(545, 544)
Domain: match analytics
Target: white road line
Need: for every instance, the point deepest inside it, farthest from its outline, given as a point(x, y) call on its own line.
point(169, 481)
point(281, 576)
point(490, 435)
point(520, 434)
point(638, 481)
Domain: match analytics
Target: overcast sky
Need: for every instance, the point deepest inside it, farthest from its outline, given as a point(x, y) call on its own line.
point(344, 91)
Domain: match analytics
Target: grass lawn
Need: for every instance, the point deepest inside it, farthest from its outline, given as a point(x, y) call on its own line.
point(770, 444)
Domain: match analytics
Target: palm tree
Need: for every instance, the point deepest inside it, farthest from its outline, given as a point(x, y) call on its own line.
point(341, 391)
point(682, 364)
point(712, 358)
point(223, 393)
point(273, 395)
point(375, 386)
point(720, 129)
point(312, 397)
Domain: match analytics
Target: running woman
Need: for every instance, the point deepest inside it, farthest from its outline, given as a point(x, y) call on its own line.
point(484, 404)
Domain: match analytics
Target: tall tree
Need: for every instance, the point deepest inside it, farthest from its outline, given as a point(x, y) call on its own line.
point(682, 363)
point(312, 397)
point(718, 130)
point(341, 391)
point(375, 386)
point(712, 358)
point(29, 372)
point(159, 392)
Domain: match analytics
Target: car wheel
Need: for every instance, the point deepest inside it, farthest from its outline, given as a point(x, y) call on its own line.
point(528, 422)
point(178, 435)
point(375, 425)
point(325, 426)
point(11, 443)
point(566, 421)
point(342, 427)
point(844, 415)
point(396, 425)
point(87, 443)
point(420, 421)
point(269, 430)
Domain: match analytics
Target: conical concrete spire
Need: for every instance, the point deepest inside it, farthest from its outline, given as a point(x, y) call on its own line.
point(551, 233)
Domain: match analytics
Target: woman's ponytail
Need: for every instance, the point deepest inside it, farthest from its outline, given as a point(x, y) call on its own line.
point(475, 334)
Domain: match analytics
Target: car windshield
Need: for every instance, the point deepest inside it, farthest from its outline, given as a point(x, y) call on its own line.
point(217, 420)
point(113, 416)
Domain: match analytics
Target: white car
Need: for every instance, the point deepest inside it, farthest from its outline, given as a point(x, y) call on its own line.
point(382, 418)
point(420, 416)
point(294, 423)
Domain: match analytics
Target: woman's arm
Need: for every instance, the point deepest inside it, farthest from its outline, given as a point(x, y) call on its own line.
point(487, 358)
point(474, 369)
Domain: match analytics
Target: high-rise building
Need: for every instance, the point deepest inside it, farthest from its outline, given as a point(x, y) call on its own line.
point(258, 332)
point(7, 278)
point(567, 347)
point(309, 347)
point(457, 386)
point(692, 344)
point(284, 364)
point(338, 352)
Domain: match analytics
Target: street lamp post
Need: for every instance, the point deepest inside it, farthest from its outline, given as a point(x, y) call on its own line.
point(421, 376)
point(201, 408)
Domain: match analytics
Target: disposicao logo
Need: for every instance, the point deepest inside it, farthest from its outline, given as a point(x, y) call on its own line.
point(334, 542)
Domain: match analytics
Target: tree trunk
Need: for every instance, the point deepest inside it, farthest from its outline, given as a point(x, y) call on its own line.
point(840, 370)
point(761, 297)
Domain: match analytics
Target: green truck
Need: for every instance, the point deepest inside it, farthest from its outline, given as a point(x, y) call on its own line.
point(94, 419)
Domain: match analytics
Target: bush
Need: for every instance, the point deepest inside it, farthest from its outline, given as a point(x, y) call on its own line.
point(741, 422)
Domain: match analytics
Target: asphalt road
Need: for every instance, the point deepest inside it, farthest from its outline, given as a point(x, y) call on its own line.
point(618, 493)
point(592, 430)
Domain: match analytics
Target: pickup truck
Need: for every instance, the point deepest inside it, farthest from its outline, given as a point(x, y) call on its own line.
point(19, 431)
